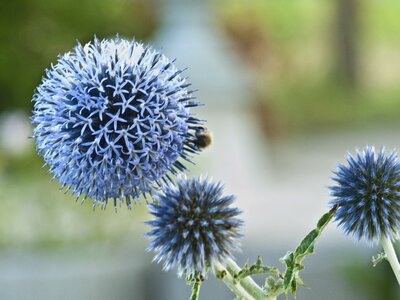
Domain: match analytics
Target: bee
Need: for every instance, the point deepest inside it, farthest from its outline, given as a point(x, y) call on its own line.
point(203, 137)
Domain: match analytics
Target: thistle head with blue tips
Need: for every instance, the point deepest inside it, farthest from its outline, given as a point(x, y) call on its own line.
point(112, 120)
point(194, 226)
point(367, 195)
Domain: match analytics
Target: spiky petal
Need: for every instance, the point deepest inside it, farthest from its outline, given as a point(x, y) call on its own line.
point(112, 118)
point(194, 225)
point(367, 194)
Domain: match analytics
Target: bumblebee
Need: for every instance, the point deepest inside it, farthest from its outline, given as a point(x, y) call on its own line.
point(203, 137)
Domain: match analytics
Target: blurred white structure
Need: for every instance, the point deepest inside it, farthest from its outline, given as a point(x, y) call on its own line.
point(238, 156)
point(190, 33)
point(14, 132)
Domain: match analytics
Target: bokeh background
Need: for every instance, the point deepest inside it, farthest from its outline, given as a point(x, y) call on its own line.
point(289, 88)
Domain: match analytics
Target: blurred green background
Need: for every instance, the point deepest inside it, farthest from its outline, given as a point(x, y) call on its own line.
point(319, 78)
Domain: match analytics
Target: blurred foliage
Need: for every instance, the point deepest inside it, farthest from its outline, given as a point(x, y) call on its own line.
point(300, 108)
point(34, 32)
point(36, 213)
point(292, 46)
point(371, 282)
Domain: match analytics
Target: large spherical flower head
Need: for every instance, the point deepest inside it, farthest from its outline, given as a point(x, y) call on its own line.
point(194, 225)
point(112, 118)
point(367, 194)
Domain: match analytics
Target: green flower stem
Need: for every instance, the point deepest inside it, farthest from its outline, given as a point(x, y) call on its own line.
point(235, 287)
point(244, 288)
point(391, 256)
point(196, 290)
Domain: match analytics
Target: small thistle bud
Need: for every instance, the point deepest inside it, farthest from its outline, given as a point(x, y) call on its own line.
point(367, 194)
point(112, 119)
point(193, 226)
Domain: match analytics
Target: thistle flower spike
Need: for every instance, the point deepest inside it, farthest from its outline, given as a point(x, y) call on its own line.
point(367, 194)
point(111, 120)
point(194, 225)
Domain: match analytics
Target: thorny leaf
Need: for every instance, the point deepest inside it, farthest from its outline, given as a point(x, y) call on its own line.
point(293, 260)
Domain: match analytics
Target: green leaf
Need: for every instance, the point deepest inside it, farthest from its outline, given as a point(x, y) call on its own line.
point(293, 260)
point(293, 288)
point(256, 268)
point(273, 287)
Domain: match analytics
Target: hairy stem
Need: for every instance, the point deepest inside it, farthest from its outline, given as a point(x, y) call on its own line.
point(195, 290)
point(235, 287)
point(244, 288)
point(247, 282)
point(391, 256)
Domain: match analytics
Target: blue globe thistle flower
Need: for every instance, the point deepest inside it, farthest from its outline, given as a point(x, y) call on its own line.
point(112, 119)
point(367, 194)
point(194, 225)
